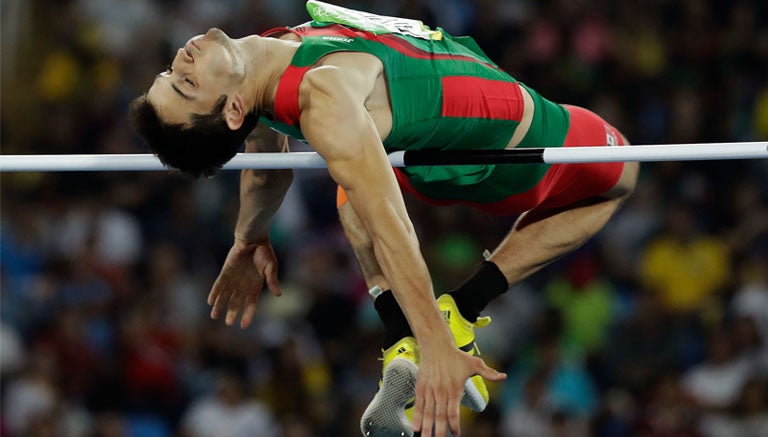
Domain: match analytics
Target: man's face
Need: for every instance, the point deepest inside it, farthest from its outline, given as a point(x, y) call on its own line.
point(207, 67)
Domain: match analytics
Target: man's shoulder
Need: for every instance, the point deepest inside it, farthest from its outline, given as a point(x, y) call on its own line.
point(322, 77)
point(356, 70)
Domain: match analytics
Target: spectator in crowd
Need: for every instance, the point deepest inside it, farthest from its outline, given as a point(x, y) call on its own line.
point(666, 410)
point(549, 387)
point(228, 412)
point(586, 301)
point(716, 383)
point(683, 265)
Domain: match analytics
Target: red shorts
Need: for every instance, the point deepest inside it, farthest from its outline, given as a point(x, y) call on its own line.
point(562, 184)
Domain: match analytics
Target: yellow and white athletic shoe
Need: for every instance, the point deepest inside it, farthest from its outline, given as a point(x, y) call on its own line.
point(391, 411)
point(475, 392)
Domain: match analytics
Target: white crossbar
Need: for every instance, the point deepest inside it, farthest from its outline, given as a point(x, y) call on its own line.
point(682, 152)
point(305, 160)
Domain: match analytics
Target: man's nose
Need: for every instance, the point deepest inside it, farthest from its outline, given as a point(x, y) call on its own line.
point(215, 34)
point(212, 33)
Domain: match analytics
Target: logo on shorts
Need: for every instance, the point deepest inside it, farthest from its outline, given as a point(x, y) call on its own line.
point(610, 138)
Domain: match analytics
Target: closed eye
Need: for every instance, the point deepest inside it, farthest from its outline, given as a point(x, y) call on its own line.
point(187, 80)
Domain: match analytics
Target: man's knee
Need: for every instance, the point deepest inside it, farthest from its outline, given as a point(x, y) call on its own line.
point(626, 184)
point(628, 179)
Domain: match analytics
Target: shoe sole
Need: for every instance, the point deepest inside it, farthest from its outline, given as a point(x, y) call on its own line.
point(472, 398)
point(385, 415)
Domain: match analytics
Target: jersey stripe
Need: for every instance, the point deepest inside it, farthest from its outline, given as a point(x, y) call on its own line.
point(287, 102)
point(287, 95)
point(394, 42)
point(476, 97)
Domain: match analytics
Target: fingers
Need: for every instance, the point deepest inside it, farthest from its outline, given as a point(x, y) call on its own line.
point(220, 300)
point(272, 283)
point(240, 282)
point(433, 412)
point(488, 373)
point(446, 415)
point(235, 303)
point(218, 285)
point(250, 310)
point(454, 419)
point(441, 404)
point(221, 295)
point(418, 408)
point(428, 417)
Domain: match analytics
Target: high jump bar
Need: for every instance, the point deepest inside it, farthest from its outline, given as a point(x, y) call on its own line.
point(306, 160)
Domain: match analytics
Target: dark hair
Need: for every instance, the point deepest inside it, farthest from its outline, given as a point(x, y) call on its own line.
point(198, 148)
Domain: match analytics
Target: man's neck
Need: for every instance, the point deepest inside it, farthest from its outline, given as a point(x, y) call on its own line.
point(269, 58)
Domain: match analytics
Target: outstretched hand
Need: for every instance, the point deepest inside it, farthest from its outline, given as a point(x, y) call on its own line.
point(439, 387)
point(247, 267)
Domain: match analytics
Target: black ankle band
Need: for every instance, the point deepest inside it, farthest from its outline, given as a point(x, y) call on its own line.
point(395, 324)
point(486, 284)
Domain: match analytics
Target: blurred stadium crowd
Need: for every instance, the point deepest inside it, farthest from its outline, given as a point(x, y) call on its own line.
point(657, 327)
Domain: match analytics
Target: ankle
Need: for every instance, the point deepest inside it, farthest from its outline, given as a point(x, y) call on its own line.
point(481, 288)
point(395, 324)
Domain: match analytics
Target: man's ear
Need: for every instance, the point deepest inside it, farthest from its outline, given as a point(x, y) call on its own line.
point(234, 112)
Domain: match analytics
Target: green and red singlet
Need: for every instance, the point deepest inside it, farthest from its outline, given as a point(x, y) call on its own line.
point(446, 94)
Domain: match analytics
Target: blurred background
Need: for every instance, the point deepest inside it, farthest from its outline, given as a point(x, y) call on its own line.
point(657, 327)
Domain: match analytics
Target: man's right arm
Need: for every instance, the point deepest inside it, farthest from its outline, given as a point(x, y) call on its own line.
point(251, 260)
point(261, 191)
